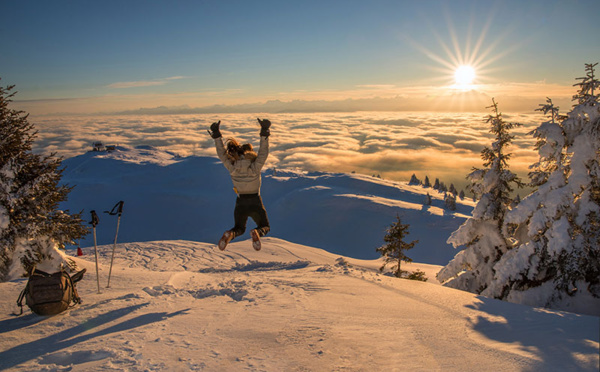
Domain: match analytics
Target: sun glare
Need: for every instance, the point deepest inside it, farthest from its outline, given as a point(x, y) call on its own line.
point(464, 75)
point(463, 63)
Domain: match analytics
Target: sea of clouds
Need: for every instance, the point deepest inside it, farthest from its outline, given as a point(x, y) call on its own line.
point(393, 145)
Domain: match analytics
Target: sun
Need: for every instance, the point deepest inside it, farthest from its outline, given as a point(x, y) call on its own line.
point(466, 65)
point(464, 76)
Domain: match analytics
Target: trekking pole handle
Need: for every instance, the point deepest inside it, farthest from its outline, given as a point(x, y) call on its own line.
point(118, 207)
point(95, 219)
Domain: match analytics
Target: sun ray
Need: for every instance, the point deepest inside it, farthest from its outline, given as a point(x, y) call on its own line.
point(459, 55)
point(473, 60)
point(467, 60)
point(431, 55)
point(472, 46)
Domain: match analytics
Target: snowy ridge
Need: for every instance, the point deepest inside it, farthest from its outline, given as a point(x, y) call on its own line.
point(171, 198)
point(180, 305)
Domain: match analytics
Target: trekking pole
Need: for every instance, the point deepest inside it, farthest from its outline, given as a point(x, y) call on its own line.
point(119, 208)
point(94, 223)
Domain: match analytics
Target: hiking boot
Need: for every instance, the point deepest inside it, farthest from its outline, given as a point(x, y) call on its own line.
point(225, 239)
point(255, 240)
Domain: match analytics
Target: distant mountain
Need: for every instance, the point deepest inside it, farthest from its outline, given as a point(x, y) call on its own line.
point(169, 198)
point(471, 101)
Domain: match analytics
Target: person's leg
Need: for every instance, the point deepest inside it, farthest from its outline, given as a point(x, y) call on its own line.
point(259, 215)
point(240, 217)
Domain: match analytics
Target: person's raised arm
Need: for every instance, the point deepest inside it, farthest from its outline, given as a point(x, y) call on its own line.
point(263, 151)
point(215, 133)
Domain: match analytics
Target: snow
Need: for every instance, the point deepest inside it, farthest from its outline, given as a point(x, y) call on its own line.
point(182, 305)
point(167, 197)
point(176, 302)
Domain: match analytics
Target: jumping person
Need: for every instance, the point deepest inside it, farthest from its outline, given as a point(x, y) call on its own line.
point(244, 166)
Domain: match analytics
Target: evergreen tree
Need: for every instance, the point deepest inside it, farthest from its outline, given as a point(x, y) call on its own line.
point(31, 227)
point(461, 195)
point(452, 190)
point(417, 275)
point(515, 202)
point(556, 260)
point(436, 185)
point(589, 87)
point(426, 183)
point(550, 144)
point(427, 199)
point(414, 180)
point(450, 202)
point(472, 269)
point(393, 251)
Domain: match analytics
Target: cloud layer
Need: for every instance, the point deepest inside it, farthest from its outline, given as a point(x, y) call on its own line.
point(393, 145)
point(141, 84)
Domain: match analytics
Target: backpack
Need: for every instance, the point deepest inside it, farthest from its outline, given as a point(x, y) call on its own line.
point(50, 294)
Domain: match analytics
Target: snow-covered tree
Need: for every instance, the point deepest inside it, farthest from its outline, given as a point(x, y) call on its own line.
point(393, 251)
point(472, 269)
point(31, 226)
point(426, 183)
point(556, 260)
point(589, 87)
point(436, 185)
point(550, 145)
point(461, 195)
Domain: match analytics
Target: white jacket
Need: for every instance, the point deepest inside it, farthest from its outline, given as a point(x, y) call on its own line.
point(245, 172)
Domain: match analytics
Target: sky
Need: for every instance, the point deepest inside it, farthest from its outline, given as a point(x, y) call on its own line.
point(110, 56)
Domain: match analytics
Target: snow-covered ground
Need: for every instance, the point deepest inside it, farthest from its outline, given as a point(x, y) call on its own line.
point(181, 305)
point(177, 303)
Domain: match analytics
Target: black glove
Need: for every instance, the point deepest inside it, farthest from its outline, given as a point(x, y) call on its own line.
point(214, 130)
point(264, 127)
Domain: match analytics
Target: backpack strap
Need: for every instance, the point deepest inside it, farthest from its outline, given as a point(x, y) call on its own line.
point(20, 300)
point(76, 299)
point(72, 280)
point(78, 276)
point(24, 292)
